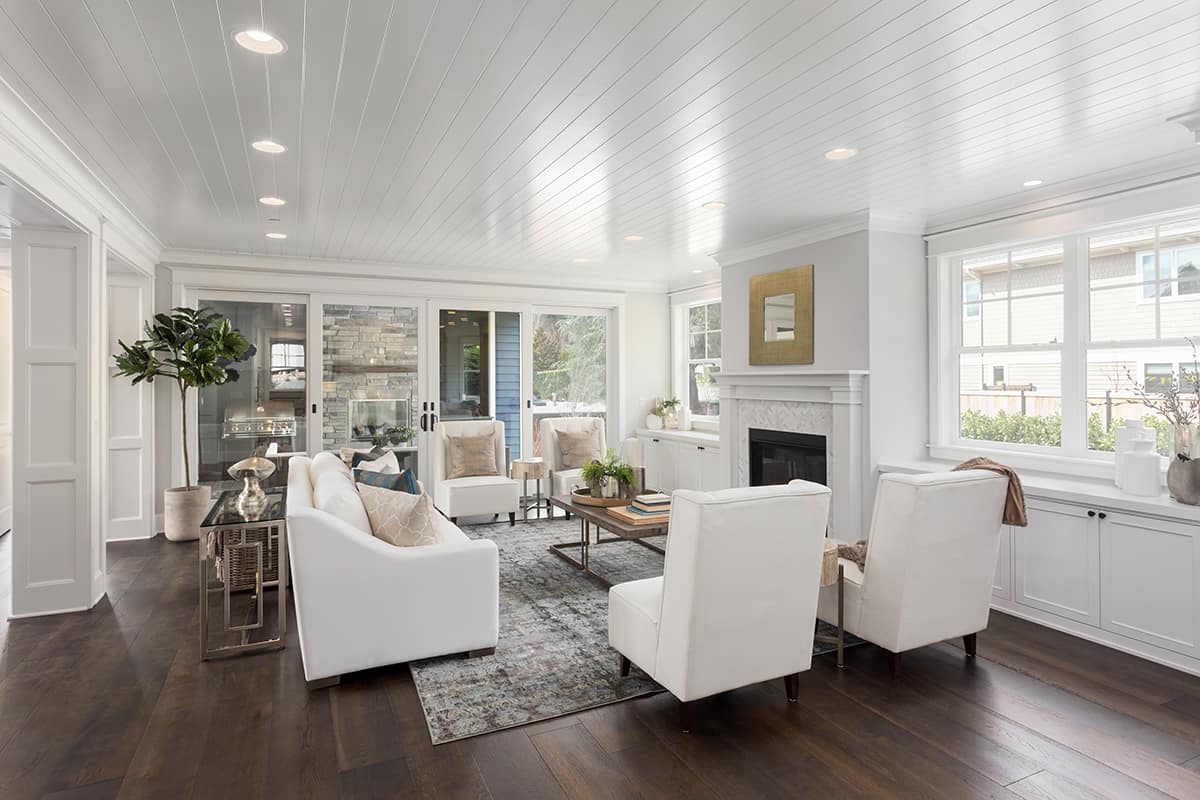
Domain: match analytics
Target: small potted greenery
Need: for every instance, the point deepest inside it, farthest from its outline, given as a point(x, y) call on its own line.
point(393, 435)
point(193, 348)
point(609, 477)
point(664, 414)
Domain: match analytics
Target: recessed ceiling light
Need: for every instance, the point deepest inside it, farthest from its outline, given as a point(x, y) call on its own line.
point(272, 219)
point(633, 237)
point(267, 146)
point(271, 200)
point(697, 271)
point(583, 260)
point(276, 235)
point(1032, 183)
point(259, 42)
point(839, 153)
point(712, 204)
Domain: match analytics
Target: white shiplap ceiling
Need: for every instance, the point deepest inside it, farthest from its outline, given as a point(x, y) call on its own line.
point(527, 134)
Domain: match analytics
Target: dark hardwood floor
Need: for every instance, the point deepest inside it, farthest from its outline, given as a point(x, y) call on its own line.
point(115, 703)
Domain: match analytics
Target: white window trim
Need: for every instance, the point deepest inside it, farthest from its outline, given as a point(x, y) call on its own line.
point(945, 343)
point(681, 363)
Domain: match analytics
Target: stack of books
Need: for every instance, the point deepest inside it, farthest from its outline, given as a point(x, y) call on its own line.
point(646, 509)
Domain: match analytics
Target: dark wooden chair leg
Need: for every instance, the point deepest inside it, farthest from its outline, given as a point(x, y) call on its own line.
point(791, 684)
point(512, 518)
point(624, 667)
point(454, 520)
point(686, 715)
point(483, 651)
point(893, 664)
point(969, 644)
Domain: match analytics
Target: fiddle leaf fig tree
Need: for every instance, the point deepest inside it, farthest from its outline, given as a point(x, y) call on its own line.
point(191, 346)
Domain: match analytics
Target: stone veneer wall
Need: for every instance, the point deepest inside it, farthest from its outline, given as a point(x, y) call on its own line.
point(368, 353)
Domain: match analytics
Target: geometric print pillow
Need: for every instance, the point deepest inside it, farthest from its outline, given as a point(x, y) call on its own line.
point(399, 518)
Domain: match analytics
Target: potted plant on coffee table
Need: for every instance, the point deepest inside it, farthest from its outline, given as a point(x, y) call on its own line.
point(192, 347)
point(608, 477)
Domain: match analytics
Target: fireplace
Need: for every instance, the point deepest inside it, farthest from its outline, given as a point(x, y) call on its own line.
point(780, 456)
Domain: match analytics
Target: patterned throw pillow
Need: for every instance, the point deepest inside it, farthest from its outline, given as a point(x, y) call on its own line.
point(468, 456)
point(400, 518)
point(577, 449)
point(359, 457)
point(348, 453)
point(403, 481)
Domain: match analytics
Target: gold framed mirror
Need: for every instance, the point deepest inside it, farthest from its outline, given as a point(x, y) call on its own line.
point(781, 317)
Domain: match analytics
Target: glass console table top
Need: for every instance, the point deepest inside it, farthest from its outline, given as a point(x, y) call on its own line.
point(225, 512)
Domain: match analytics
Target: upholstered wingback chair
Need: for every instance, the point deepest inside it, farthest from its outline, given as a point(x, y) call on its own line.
point(931, 557)
point(738, 594)
point(477, 494)
point(564, 479)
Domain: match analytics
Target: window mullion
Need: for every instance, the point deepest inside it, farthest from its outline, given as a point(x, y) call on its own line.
point(1074, 351)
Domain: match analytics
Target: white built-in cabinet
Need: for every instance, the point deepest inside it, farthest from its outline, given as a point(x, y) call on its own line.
point(681, 460)
point(1130, 580)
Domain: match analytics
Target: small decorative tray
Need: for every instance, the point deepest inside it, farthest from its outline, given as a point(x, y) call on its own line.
point(583, 496)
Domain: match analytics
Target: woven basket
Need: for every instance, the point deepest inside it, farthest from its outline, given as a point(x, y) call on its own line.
point(239, 565)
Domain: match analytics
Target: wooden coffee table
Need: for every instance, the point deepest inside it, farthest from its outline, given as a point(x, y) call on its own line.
point(599, 517)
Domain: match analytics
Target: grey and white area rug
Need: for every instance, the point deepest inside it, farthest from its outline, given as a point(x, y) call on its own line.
point(553, 656)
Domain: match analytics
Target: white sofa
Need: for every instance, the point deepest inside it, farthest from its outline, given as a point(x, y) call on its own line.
point(479, 494)
point(736, 600)
point(361, 602)
point(930, 562)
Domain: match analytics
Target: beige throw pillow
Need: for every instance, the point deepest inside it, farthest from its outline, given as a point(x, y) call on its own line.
point(400, 518)
point(577, 449)
point(468, 456)
point(386, 464)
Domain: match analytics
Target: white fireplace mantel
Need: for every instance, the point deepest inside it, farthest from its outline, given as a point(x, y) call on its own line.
point(824, 403)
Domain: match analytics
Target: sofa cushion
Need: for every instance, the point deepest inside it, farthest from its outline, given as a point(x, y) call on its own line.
point(470, 456)
point(399, 518)
point(358, 458)
point(348, 453)
point(334, 491)
point(387, 464)
point(578, 448)
point(402, 481)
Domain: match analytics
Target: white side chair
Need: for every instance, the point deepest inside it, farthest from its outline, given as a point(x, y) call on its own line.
point(736, 600)
point(479, 494)
point(565, 480)
point(930, 562)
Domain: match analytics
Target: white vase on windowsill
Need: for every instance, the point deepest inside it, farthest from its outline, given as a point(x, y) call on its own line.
point(654, 422)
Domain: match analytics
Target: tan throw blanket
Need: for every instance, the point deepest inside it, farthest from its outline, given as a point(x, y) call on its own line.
point(1014, 506)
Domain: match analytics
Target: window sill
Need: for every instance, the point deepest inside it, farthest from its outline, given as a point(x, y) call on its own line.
point(1051, 464)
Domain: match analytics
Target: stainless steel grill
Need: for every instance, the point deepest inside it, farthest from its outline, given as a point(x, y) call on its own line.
point(268, 420)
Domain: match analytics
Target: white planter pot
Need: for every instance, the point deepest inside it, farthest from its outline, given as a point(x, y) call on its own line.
point(654, 422)
point(183, 511)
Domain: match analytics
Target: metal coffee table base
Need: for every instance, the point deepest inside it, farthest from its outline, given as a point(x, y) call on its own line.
point(564, 549)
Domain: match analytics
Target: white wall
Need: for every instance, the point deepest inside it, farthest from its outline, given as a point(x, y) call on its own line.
point(645, 356)
point(166, 438)
point(840, 304)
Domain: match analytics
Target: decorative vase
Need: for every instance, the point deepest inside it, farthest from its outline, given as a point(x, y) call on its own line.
point(670, 419)
point(1183, 439)
point(1183, 481)
point(607, 487)
point(1141, 470)
point(654, 422)
point(184, 509)
point(252, 471)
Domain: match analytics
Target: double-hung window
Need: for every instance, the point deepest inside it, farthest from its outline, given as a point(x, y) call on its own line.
point(1056, 343)
point(703, 343)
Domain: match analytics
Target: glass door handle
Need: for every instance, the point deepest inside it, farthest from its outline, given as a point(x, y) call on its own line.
point(425, 422)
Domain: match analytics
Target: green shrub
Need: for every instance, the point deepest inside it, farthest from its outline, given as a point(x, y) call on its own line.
point(1047, 430)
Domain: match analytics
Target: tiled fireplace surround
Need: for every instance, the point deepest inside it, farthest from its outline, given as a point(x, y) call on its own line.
point(825, 403)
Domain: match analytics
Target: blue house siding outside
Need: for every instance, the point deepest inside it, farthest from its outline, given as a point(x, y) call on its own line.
point(508, 378)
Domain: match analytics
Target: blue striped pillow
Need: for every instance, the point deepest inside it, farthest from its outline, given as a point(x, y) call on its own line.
point(404, 481)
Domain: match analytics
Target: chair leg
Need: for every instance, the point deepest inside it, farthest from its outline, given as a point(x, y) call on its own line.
point(512, 518)
point(969, 644)
point(686, 715)
point(624, 667)
point(454, 520)
point(791, 684)
point(893, 664)
point(324, 683)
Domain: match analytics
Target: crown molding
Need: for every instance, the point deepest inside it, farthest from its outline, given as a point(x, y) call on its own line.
point(43, 164)
point(808, 234)
point(436, 273)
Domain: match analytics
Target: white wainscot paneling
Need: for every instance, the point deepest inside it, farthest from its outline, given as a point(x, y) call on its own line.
point(125, 495)
point(51, 556)
point(52, 439)
point(1057, 562)
point(1149, 572)
point(1002, 583)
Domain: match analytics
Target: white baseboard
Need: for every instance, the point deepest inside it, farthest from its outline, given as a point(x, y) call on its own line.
point(130, 538)
point(55, 613)
point(1116, 641)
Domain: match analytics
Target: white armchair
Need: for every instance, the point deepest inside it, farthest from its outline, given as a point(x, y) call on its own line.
point(738, 594)
point(478, 494)
point(361, 602)
point(930, 562)
point(564, 480)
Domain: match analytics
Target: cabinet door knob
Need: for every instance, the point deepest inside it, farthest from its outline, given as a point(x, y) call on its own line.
point(1091, 513)
point(1103, 515)
point(654, 440)
point(699, 447)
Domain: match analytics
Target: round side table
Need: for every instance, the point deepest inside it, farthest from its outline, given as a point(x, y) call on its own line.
point(527, 469)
